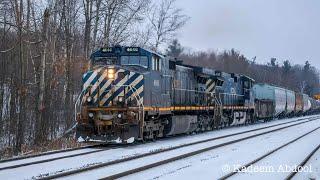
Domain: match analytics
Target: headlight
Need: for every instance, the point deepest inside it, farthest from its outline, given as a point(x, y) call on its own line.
point(89, 99)
point(90, 115)
point(120, 99)
point(111, 76)
point(111, 73)
point(119, 116)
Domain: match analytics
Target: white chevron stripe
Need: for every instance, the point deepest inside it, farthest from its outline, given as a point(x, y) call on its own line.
point(96, 85)
point(115, 88)
point(136, 93)
point(208, 82)
point(88, 82)
point(210, 88)
point(136, 81)
point(133, 84)
point(103, 88)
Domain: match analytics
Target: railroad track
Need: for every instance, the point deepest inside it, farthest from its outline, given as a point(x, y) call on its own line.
point(303, 163)
point(114, 146)
point(50, 159)
point(175, 158)
point(234, 172)
point(102, 148)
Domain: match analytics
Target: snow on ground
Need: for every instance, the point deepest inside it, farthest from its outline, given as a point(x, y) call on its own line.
point(39, 158)
point(280, 164)
point(314, 163)
point(101, 172)
point(216, 163)
point(113, 154)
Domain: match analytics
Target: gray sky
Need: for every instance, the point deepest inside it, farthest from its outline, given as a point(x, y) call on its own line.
point(285, 29)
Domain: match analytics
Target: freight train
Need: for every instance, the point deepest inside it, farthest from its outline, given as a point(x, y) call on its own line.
point(134, 94)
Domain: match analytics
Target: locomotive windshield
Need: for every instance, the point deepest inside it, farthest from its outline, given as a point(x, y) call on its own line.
point(102, 61)
point(135, 61)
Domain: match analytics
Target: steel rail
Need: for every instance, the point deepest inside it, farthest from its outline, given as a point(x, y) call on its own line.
point(303, 163)
point(186, 155)
point(76, 171)
point(47, 153)
point(268, 154)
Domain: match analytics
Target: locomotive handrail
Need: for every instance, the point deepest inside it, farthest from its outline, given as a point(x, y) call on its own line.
point(192, 90)
point(77, 104)
point(232, 94)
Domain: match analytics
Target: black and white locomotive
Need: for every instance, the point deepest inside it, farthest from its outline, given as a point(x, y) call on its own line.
point(130, 93)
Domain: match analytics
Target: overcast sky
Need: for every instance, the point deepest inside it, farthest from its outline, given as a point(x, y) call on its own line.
point(285, 29)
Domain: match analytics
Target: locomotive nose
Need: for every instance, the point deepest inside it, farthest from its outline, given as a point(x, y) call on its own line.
point(112, 87)
point(113, 98)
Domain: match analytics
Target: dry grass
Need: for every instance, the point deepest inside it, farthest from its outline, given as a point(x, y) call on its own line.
point(58, 144)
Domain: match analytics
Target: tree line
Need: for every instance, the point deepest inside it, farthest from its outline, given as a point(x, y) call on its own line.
point(303, 78)
point(44, 50)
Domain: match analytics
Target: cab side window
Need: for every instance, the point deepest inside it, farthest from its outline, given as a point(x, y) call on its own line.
point(156, 64)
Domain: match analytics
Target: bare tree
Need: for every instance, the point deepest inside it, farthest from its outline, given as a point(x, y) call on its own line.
point(165, 20)
point(88, 5)
point(40, 135)
point(119, 18)
point(96, 23)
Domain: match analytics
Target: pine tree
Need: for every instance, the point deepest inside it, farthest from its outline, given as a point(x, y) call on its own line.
point(175, 49)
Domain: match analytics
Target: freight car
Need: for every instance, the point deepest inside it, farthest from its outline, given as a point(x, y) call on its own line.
point(130, 93)
point(298, 109)
point(306, 103)
point(271, 101)
point(290, 103)
point(315, 106)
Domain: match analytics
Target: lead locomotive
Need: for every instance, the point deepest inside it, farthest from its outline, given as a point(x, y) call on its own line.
point(131, 93)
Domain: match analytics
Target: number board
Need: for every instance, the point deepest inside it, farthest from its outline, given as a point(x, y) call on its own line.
point(107, 50)
point(132, 49)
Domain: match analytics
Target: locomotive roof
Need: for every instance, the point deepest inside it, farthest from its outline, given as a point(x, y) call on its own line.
point(124, 50)
point(213, 73)
point(267, 84)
